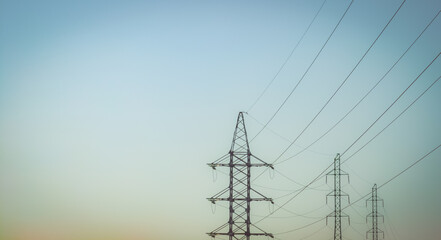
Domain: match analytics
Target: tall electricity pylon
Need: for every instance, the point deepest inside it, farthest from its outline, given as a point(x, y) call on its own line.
point(374, 231)
point(238, 160)
point(337, 193)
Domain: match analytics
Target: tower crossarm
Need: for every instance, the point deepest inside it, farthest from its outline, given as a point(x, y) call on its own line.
point(213, 234)
point(239, 193)
point(214, 165)
point(240, 199)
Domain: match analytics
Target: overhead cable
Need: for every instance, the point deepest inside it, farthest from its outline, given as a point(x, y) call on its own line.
point(393, 103)
point(304, 74)
point(362, 99)
point(382, 130)
point(287, 59)
point(341, 85)
point(364, 196)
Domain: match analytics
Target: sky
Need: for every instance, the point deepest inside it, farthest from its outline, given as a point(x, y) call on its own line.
point(110, 111)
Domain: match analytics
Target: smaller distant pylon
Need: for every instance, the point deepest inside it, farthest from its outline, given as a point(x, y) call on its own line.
point(374, 215)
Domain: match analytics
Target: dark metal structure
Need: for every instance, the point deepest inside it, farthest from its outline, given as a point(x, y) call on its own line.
point(374, 231)
point(337, 193)
point(239, 192)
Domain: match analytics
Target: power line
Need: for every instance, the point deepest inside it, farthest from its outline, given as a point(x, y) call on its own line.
point(312, 234)
point(344, 81)
point(302, 227)
point(387, 109)
point(308, 236)
point(304, 74)
point(389, 223)
point(340, 87)
point(358, 175)
point(300, 184)
point(402, 112)
point(398, 96)
point(276, 189)
point(318, 177)
point(409, 167)
point(291, 193)
point(285, 138)
point(287, 59)
point(357, 212)
point(284, 217)
point(298, 193)
point(398, 115)
point(362, 99)
point(303, 214)
point(397, 175)
point(306, 186)
point(321, 174)
point(362, 197)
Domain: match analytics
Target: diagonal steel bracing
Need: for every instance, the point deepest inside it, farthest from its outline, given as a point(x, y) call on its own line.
point(374, 215)
point(337, 193)
point(239, 192)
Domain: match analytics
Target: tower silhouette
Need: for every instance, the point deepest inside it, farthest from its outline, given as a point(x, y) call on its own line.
point(374, 231)
point(239, 192)
point(337, 193)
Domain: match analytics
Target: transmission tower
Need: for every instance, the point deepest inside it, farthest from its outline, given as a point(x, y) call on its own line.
point(374, 231)
point(238, 160)
point(337, 193)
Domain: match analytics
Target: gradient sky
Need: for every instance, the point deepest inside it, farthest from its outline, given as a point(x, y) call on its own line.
point(110, 111)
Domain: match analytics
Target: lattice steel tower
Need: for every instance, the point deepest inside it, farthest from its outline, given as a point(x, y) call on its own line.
point(239, 191)
point(337, 193)
point(374, 231)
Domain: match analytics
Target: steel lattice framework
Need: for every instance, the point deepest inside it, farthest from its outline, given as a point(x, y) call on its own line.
point(337, 193)
point(374, 231)
point(239, 191)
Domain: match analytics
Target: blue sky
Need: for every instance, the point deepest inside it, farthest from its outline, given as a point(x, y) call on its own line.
point(111, 110)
